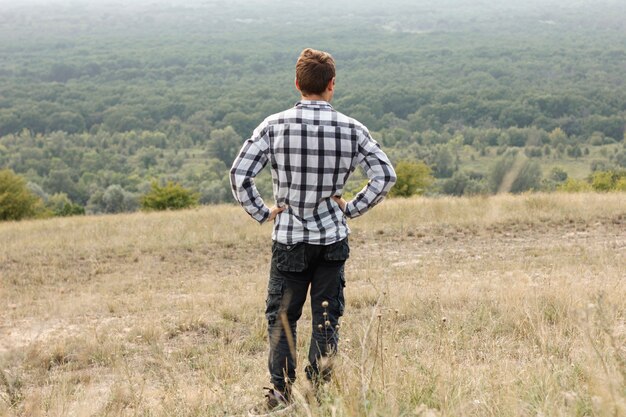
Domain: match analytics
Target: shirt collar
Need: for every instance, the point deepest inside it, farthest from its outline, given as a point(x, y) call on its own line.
point(314, 104)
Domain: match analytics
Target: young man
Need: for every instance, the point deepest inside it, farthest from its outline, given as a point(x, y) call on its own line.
point(312, 150)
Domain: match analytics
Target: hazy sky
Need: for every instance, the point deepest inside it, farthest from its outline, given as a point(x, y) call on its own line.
point(460, 10)
point(482, 3)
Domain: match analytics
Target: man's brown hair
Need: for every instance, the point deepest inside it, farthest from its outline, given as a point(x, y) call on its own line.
point(314, 70)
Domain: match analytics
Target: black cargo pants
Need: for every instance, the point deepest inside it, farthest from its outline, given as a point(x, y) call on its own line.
point(293, 269)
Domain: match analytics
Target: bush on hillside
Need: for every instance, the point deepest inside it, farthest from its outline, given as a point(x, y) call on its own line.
point(62, 206)
point(572, 185)
point(603, 181)
point(117, 200)
point(114, 199)
point(463, 183)
point(16, 200)
point(171, 196)
point(414, 178)
point(609, 181)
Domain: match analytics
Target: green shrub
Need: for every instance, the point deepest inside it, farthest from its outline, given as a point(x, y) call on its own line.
point(600, 181)
point(171, 196)
point(558, 174)
point(572, 185)
point(463, 183)
point(455, 185)
point(62, 206)
point(413, 179)
point(16, 200)
point(117, 200)
point(555, 178)
point(607, 180)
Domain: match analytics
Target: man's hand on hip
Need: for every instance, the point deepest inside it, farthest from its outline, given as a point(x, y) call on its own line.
point(340, 201)
point(275, 211)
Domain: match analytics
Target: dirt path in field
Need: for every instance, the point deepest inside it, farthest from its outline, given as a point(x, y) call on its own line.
point(497, 241)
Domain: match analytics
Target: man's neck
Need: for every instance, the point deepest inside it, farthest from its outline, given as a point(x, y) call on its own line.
point(316, 97)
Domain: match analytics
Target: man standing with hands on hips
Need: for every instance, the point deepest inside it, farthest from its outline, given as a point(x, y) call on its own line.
point(312, 150)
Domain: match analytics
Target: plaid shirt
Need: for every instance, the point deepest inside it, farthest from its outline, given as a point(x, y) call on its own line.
point(312, 150)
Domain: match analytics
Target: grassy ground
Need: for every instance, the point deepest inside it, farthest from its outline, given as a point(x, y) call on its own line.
point(499, 306)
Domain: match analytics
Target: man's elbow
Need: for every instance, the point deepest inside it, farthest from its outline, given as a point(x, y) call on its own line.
point(232, 173)
point(383, 184)
point(391, 179)
point(237, 180)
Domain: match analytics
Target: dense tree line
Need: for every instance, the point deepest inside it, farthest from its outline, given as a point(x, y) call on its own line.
point(465, 88)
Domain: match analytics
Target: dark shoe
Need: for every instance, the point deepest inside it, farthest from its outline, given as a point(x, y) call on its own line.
point(317, 376)
point(276, 403)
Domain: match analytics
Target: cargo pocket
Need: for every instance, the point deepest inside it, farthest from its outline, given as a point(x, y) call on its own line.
point(338, 251)
point(341, 298)
point(289, 258)
point(274, 298)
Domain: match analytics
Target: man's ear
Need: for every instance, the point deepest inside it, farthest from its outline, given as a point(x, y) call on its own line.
point(297, 85)
point(331, 85)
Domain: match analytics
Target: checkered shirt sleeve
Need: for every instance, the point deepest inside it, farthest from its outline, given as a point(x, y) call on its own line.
point(251, 160)
point(380, 173)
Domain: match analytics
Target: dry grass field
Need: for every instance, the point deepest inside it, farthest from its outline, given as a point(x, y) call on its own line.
point(499, 306)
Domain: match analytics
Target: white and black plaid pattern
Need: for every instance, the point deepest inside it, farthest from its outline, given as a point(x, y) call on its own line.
point(312, 150)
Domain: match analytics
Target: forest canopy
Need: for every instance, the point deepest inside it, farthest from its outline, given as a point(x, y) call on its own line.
point(95, 95)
